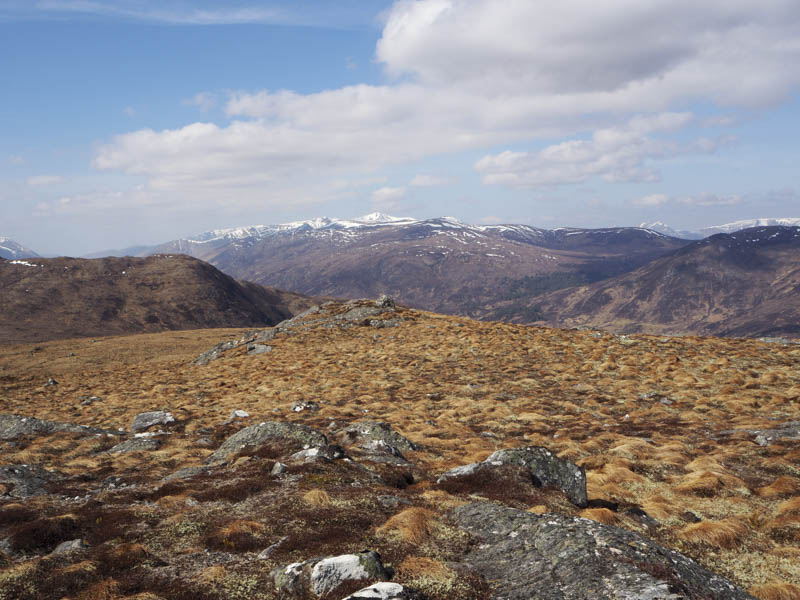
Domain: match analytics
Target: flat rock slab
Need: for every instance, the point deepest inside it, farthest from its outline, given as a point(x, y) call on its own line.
point(25, 480)
point(14, 426)
point(270, 431)
point(386, 590)
point(146, 420)
point(524, 556)
point(137, 445)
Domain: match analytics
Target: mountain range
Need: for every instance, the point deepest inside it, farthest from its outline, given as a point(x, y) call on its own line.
point(705, 232)
point(744, 284)
point(623, 279)
point(439, 264)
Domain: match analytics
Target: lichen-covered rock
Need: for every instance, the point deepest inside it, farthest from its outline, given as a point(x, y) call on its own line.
point(258, 348)
point(141, 444)
point(785, 431)
point(25, 480)
point(544, 467)
point(146, 420)
point(69, 546)
point(319, 576)
point(524, 556)
point(386, 590)
point(367, 431)
point(14, 426)
point(325, 453)
point(215, 352)
point(252, 437)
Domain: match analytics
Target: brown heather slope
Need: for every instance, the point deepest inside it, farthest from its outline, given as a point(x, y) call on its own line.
point(45, 299)
point(745, 284)
point(664, 425)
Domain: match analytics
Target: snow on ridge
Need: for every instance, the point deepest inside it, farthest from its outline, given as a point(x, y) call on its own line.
point(374, 219)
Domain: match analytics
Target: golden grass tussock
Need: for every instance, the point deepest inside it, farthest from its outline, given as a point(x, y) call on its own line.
point(317, 497)
point(782, 486)
point(659, 508)
point(776, 591)
point(789, 507)
point(708, 483)
point(601, 515)
point(725, 533)
point(539, 509)
point(412, 525)
point(415, 567)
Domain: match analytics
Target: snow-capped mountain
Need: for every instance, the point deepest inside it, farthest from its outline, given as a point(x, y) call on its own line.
point(12, 250)
point(726, 228)
point(440, 264)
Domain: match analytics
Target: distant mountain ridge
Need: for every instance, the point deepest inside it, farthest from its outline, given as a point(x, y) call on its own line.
point(744, 284)
point(439, 264)
point(10, 250)
point(704, 232)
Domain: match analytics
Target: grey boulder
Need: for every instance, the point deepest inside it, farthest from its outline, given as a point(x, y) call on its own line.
point(524, 556)
point(14, 426)
point(544, 468)
point(146, 420)
point(254, 436)
point(375, 431)
point(141, 444)
point(386, 590)
point(319, 576)
point(25, 480)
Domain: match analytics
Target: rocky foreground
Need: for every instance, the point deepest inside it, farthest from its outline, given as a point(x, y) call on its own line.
point(363, 450)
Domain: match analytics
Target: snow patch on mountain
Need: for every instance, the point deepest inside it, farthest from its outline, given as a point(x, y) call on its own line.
point(10, 249)
point(725, 228)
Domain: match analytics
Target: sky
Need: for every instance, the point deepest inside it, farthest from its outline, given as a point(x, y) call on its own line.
point(127, 122)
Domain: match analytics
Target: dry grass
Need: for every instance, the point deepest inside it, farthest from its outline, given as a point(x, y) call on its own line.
point(317, 498)
point(601, 515)
point(462, 389)
point(782, 486)
point(412, 525)
point(717, 534)
point(776, 591)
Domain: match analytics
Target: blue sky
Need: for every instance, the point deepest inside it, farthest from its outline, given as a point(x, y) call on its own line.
point(127, 123)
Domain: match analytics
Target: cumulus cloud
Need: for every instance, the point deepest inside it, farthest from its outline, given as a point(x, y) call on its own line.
point(652, 200)
point(205, 101)
point(473, 75)
point(619, 154)
point(387, 198)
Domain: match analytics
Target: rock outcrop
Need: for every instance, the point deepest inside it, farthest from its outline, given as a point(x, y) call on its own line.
point(524, 556)
point(252, 437)
point(14, 426)
point(319, 576)
point(544, 468)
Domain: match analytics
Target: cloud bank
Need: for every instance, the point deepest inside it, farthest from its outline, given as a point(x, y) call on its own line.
point(470, 75)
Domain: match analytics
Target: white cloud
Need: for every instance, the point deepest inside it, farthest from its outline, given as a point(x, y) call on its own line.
point(711, 200)
point(162, 12)
point(652, 200)
point(205, 101)
point(387, 198)
point(44, 180)
point(476, 74)
point(703, 199)
point(618, 154)
point(129, 111)
point(16, 160)
point(429, 181)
